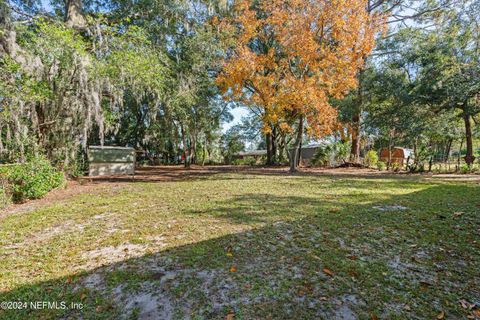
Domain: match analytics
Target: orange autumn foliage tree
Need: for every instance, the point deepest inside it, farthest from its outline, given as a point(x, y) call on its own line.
point(291, 56)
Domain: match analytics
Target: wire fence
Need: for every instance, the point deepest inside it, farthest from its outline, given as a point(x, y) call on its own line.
point(434, 165)
point(450, 167)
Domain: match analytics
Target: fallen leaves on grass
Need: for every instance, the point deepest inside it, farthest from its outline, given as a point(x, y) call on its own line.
point(229, 252)
point(316, 257)
point(425, 283)
point(373, 316)
point(441, 315)
point(466, 305)
point(304, 289)
point(458, 213)
point(233, 269)
point(328, 272)
point(230, 316)
point(353, 274)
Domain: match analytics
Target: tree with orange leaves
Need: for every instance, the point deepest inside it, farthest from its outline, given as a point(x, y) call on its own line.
point(291, 56)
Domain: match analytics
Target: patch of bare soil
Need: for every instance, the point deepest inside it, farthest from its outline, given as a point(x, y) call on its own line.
point(114, 254)
point(107, 255)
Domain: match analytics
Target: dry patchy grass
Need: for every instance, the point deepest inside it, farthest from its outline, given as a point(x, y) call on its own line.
point(254, 245)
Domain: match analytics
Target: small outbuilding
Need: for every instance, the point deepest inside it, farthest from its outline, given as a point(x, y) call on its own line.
point(308, 152)
point(396, 155)
point(106, 161)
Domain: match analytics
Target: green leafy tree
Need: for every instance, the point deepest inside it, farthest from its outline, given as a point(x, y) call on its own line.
point(449, 76)
point(232, 143)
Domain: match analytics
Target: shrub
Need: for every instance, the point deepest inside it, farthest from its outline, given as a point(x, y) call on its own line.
point(33, 179)
point(417, 166)
point(4, 198)
point(341, 150)
point(247, 161)
point(337, 151)
point(465, 168)
point(78, 167)
point(396, 167)
point(250, 161)
point(321, 157)
point(371, 158)
point(381, 165)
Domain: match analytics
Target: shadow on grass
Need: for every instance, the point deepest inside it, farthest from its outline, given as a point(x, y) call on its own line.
point(324, 259)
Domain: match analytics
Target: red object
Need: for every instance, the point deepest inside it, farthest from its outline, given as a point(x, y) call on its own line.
point(183, 156)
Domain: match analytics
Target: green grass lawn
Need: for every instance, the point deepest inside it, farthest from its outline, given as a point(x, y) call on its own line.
point(249, 245)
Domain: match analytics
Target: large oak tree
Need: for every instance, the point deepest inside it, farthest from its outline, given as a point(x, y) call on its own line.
point(292, 56)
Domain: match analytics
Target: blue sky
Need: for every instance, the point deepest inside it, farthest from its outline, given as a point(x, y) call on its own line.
point(46, 5)
point(237, 113)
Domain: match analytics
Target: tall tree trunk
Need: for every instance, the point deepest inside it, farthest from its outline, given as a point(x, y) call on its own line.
point(447, 150)
point(193, 149)
point(294, 155)
point(299, 158)
point(460, 153)
point(186, 161)
point(204, 152)
point(274, 146)
point(268, 140)
point(355, 150)
point(469, 158)
point(138, 126)
point(74, 17)
point(281, 148)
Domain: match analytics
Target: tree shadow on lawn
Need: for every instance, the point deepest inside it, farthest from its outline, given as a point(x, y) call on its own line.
point(326, 262)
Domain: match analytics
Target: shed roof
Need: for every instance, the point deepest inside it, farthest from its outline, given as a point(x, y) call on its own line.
point(314, 145)
point(110, 148)
point(252, 153)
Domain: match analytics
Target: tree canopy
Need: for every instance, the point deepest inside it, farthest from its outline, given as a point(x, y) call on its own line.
point(291, 57)
point(163, 75)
